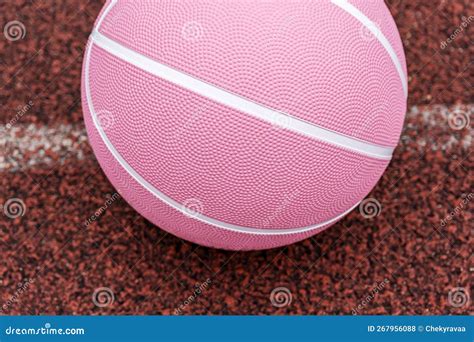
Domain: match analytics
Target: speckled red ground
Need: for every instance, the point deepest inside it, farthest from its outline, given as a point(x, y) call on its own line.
point(51, 264)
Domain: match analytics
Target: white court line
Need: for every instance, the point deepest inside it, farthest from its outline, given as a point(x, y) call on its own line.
point(25, 146)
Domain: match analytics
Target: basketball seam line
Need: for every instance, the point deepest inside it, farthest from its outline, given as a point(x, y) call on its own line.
point(238, 102)
point(375, 30)
point(172, 203)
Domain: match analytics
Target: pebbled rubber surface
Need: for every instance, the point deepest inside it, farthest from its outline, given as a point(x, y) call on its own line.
point(299, 59)
point(384, 21)
point(183, 145)
point(174, 221)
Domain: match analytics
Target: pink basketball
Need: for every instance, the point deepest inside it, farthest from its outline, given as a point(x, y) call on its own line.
point(244, 124)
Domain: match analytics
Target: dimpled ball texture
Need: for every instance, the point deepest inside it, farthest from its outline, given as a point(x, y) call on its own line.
point(243, 124)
